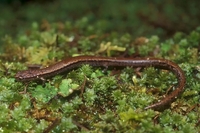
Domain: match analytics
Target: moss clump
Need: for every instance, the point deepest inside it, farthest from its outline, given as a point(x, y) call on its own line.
point(93, 98)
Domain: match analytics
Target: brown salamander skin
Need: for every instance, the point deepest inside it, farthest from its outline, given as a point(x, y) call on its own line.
point(74, 62)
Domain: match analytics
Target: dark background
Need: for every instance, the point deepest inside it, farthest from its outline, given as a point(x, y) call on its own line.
point(139, 18)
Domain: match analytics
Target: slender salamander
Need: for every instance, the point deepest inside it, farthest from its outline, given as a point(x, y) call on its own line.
point(74, 62)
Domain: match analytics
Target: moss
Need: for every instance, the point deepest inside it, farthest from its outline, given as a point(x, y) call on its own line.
point(93, 98)
point(44, 94)
point(124, 94)
point(67, 87)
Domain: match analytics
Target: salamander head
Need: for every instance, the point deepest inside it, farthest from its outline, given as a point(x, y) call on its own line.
point(26, 75)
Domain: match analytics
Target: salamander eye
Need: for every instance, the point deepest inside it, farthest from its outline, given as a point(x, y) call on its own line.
point(18, 78)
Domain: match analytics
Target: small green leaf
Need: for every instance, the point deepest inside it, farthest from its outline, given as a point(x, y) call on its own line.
point(67, 87)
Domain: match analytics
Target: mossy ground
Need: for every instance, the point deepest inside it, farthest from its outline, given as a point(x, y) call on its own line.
point(92, 98)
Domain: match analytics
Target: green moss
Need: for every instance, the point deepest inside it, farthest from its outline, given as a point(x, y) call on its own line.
point(133, 115)
point(177, 120)
point(90, 97)
point(150, 45)
point(4, 113)
point(93, 98)
point(67, 87)
point(44, 94)
point(66, 125)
